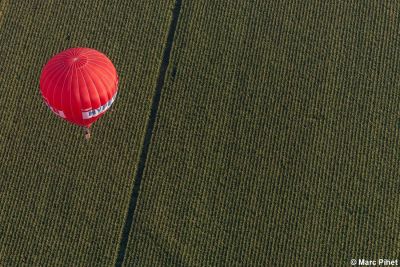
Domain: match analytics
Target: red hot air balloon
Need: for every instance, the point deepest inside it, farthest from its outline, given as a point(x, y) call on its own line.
point(79, 85)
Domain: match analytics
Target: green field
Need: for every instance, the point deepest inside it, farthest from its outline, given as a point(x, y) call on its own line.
point(245, 133)
point(63, 200)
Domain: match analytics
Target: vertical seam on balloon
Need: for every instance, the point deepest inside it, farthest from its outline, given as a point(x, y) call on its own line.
point(79, 89)
point(93, 61)
point(104, 86)
point(103, 67)
point(70, 95)
point(87, 88)
point(110, 77)
point(49, 77)
point(62, 88)
point(61, 95)
point(51, 72)
point(52, 97)
point(94, 89)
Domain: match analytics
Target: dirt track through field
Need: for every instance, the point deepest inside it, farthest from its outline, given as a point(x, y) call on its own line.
point(128, 226)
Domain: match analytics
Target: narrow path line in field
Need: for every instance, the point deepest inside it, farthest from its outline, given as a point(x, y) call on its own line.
point(149, 131)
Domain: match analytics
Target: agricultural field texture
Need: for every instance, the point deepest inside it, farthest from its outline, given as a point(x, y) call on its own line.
point(63, 201)
point(245, 133)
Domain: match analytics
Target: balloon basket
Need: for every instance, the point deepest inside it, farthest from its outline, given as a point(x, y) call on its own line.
point(86, 132)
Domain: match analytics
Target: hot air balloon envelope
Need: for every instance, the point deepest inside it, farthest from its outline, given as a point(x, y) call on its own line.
point(79, 85)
